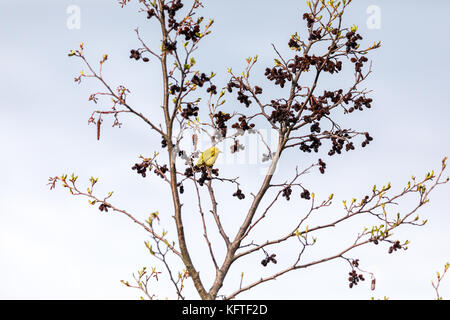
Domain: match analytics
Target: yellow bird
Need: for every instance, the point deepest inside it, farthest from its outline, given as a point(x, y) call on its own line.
point(208, 157)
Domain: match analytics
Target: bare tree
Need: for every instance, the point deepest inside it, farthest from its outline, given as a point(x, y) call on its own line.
point(303, 118)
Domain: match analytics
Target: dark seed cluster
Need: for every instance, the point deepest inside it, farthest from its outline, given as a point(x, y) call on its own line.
point(141, 168)
point(315, 143)
point(172, 9)
point(243, 98)
point(315, 35)
point(151, 13)
point(315, 127)
point(279, 75)
point(212, 89)
point(268, 259)
point(169, 45)
point(188, 172)
point(338, 141)
point(163, 142)
point(309, 19)
point(204, 174)
point(293, 44)
point(200, 80)
point(135, 54)
point(287, 191)
point(354, 278)
point(239, 194)
point(189, 111)
point(367, 141)
point(282, 114)
point(221, 119)
point(243, 124)
point(352, 40)
point(305, 194)
point(300, 63)
point(191, 32)
point(396, 246)
point(358, 103)
point(233, 84)
point(359, 63)
point(322, 165)
point(161, 171)
point(375, 239)
point(104, 207)
point(174, 89)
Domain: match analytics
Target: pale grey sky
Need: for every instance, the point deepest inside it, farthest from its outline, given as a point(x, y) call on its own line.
point(55, 246)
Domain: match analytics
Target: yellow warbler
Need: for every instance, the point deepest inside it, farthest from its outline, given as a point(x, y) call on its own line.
point(208, 157)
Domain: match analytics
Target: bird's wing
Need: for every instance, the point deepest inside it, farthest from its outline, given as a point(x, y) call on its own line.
point(200, 160)
point(211, 160)
point(208, 153)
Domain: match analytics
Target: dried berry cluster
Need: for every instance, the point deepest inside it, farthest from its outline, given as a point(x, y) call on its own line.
point(174, 89)
point(367, 141)
point(104, 207)
point(268, 259)
point(299, 64)
point(243, 98)
point(339, 141)
point(161, 171)
point(359, 63)
point(396, 246)
point(279, 75)
point(191, 32)
point(358, 103)
point(239, 194)
point(212, 89)
point(169, 46)
point(188, 172)
point(172, 9)
point(243, 124)
point(233, 84)
point(142, 167)
point(314, 145)
point(315, 35)
point(163, 142)
point(315, 127)
point(221, 119)
point(189, 111)
point(375, 239)
point(305, 194)
point(309, 19)
point(287, 191)
point(151, 13)
point(352, 40)
point(200, 81)
point(322, 165)
point(293, 44)
point(204, 174)
point(135, 54)
point(318, 107)
point(281, 114)
point(354, 278)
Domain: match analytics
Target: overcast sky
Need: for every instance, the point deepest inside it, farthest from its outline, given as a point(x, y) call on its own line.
point(54, 246)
